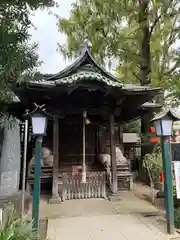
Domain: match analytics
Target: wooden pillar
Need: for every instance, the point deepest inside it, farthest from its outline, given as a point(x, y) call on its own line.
point(113, 152)
point(121, 138)
point(55, 193)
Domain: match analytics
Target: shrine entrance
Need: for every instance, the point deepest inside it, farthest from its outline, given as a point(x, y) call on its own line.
point(81, 174)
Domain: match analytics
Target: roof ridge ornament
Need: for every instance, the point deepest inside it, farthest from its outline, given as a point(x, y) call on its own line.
point(86, 45)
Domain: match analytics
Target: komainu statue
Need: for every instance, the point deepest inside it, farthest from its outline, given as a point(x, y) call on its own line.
point(47, 158)
point(120, 159)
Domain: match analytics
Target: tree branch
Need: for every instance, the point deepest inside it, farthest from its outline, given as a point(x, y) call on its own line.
point(129, 52)
point(135, 75)
point(171, 70)
point(153, 25)
point(102, 31)
point(171, 36)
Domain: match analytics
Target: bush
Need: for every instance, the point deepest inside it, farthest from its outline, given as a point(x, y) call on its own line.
point(177, 218)
point(12, 228)
point(153, 163)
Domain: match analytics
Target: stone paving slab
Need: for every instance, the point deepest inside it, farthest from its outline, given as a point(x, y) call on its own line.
point(106, 227)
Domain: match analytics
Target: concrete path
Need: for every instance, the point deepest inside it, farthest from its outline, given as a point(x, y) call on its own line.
point(130, 218)
point(104, 227)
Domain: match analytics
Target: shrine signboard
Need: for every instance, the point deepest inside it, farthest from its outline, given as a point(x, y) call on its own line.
point(177, 178)
point(175, 152)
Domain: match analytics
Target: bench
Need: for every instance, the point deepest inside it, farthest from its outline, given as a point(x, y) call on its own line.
point(46, 177)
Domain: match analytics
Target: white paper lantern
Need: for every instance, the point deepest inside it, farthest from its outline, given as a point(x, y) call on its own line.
point(39, 124)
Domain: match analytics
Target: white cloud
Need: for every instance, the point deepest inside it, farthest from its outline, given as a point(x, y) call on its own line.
point(47, 35)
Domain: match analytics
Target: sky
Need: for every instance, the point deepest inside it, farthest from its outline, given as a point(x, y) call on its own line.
point(47, 35)
point(45, 32)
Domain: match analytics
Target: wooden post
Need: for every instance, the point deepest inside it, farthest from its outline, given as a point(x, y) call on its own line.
point(121, 138)
point(55, 194)
point(113, 153)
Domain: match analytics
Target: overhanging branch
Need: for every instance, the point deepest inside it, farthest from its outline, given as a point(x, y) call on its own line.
point(171, 70)
point(153, 25)
point(135, 75)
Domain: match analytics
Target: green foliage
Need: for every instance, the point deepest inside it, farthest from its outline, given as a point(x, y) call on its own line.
point(16, 55)
point(132, 127)
point(177, 218)
point(139, 35)
point(174, 187)
point(153, 163)
point(12, 228)
point(8, 122)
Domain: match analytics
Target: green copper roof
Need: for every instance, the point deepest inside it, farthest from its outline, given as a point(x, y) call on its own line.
point(84, 68)
point(88, 75)
point(86, 71)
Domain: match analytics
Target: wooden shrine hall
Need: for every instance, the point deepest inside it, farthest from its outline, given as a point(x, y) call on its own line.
point(89, 106)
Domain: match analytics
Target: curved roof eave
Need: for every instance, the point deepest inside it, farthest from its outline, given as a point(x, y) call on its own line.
point(136, 88)
point(85, 55)
point(150, 105)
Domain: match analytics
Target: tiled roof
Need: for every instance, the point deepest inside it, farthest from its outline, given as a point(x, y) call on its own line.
point(90, 76)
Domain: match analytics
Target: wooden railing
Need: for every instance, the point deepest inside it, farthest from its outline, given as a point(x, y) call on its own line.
point(72, 186)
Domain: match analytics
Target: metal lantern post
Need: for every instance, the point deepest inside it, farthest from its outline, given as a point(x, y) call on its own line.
point(164, 126)
point(39, 125)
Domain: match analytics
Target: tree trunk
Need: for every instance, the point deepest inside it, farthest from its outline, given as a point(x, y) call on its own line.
point(145, 67)
point(145, 63)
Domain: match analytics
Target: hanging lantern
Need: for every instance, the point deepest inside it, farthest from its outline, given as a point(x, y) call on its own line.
point(86, 120)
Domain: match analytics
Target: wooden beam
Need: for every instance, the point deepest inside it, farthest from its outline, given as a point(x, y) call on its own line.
point(55, 193)
point(74, 110)
point(113, 152)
